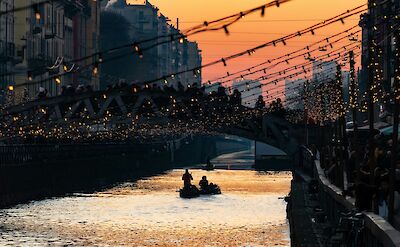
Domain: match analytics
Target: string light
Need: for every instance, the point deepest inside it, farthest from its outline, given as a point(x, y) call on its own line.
point(290, 55)
point(317, 26)
point(36, 10)
point(58, 80)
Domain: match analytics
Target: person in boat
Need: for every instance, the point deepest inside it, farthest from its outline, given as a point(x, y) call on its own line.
point(187, 179)
point(213, 186)
point(203, 183)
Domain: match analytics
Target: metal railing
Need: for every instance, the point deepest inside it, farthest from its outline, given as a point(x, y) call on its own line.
point(14, 155)
point(377, 231)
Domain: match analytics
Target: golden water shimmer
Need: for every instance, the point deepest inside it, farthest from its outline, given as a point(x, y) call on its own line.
point(150, 213)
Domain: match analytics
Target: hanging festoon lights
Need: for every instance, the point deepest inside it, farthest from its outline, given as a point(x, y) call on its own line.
point(223, 24)
point(353, 85)
point(315, 99)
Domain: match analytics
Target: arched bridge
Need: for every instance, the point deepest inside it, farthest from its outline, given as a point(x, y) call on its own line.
point(130, 112)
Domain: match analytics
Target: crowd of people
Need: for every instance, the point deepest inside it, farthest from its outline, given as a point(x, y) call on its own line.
point(223, 97)
point(363, 170)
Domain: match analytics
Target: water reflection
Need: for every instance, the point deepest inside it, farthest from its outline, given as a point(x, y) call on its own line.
point(150, 213)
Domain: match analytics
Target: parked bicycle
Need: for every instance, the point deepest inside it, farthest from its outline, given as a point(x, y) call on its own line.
point(348, 232)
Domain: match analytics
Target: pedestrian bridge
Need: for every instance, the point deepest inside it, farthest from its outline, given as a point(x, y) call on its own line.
point(131, 112)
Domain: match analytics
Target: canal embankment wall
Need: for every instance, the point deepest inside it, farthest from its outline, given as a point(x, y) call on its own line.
point(31, 172)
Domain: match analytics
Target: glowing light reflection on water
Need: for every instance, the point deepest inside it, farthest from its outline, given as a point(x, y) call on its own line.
point(150, 212)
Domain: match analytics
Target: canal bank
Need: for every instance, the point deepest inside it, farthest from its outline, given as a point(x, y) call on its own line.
point(40, 171)
point(34, 172)
point(316, 207)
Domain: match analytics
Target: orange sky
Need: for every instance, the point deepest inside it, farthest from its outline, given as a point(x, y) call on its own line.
point(253, 29)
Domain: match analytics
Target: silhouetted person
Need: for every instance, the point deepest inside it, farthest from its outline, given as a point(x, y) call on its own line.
point(203, 183)
point(42, 93)
point(70, 90)
point(187, 179)
point(63, 90)
point(260, 104)
point(236, 98)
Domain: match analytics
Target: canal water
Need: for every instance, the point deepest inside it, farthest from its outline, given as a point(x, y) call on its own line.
point(149, 212)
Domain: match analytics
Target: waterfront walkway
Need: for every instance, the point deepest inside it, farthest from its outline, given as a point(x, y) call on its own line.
point(304, 227)
point(311, 211)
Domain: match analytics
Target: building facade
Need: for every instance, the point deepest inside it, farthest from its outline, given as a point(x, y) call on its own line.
point(7, 47)
point(323, 70)
point(166, 56)
point(294, 91)
point(378, 26)
point(49, 38)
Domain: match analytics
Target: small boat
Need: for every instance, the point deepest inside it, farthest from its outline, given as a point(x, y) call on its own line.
point(208, 167)
point(211, 189)
point(191, 192)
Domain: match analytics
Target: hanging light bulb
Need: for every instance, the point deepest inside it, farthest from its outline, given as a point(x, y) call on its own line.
point(95, 69)
point(29, 76)
point(226, 30)
point(37, 12)
point(58, 80)
point(10, 88)
point(136, 47)
point(223, 61)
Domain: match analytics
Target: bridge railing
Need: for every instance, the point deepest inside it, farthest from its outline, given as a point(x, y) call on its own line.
point(377, 232)
point(306, 160)
point(14, 155)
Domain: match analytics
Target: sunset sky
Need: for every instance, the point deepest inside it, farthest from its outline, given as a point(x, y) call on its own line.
point(254, 29)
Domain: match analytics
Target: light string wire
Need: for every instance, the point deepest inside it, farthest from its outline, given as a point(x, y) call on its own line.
point(340, 17)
